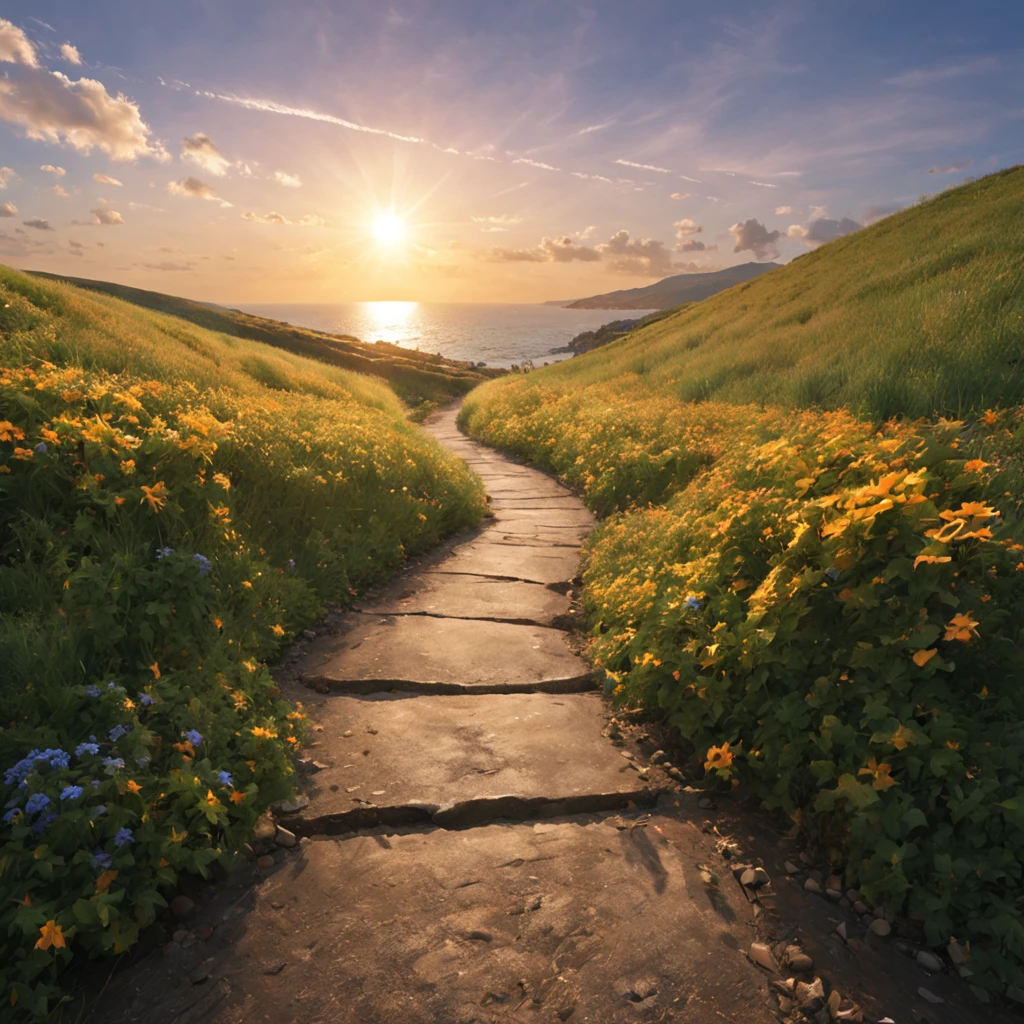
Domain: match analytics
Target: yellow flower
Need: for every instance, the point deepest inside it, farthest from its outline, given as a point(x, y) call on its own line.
point(880, 777)
point(50, 935)
point(264, 734)
point(921, 658)
point(176, 836)
point(961, 627)
point(901, 737)
point(133, 786)
point(128, 467)
point(718, 757)
point(989, 418)
point(220, 478)
point(247, 584)
point(211, 799)
point(975, 465)
point(277, 630)
point(155, 495)
point(9, 432)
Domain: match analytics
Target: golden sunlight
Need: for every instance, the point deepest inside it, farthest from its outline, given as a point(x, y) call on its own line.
point(389, 229)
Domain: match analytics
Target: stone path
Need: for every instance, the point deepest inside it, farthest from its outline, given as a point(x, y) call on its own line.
point(481, 850)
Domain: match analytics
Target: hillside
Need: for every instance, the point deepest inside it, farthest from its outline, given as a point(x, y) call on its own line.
point(673, 291)
point(416, 376)
point(823, 605)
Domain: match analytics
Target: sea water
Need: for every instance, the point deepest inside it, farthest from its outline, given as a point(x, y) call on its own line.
point(495, 334)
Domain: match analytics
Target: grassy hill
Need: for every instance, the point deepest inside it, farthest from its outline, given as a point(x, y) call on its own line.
point(826, 605)
point(919, 314)
point(176, 503)
point(416, 377)
point(672, 291)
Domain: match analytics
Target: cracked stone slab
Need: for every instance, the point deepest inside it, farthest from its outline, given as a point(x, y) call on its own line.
point(461, 596)
point(587, 921)
point(535, 563)
point(442, 655)
point(460, 760)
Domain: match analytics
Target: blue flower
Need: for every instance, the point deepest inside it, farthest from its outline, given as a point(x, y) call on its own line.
point(92, 691)
point(113, 686)
point(36, 802)
point(124, 836)
point(117, 732)
point(204, 564)
point(194, 737)
point(164, 552)
point(41, 448)
point(142, 761)
point(71, 792)
point(113, 764)
point(99, 811)
point(146, 701)
point(20, 771)
point(693, 603)
point(58, 758)
point(291, 563)
point(40, 826)
point(87, 748)
point(95, 783)
point(12, 814)
point(101, 859)
point(832, 573)
point(225, 779)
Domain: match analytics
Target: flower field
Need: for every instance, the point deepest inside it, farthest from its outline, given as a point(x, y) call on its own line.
point(829, 609)
point(174, 506)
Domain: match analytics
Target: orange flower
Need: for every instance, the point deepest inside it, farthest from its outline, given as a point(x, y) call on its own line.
point(247, 584)
point(921, 658)
point(155, 495)
point(961, 627)
point(211, 799)
point(103, 882)
point(176, 836)
point(989, 418)
point(264, 734)
point(277, 630)
point(237, 797)
point(718, 757)
point(133, 786)
point(50, 935)
point(880, 777)
point(931, 560)
point(155, 669)
point(218, 623)
point(119, 500)
point(975, 465)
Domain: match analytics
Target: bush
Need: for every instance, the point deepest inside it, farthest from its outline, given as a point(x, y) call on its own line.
point(830, 613)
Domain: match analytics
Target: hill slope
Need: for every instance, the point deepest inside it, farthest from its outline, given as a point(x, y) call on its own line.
point(415, 376)
point(672, 291)
point(918, 314)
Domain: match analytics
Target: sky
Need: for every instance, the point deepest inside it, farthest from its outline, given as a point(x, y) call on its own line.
point(468, 151)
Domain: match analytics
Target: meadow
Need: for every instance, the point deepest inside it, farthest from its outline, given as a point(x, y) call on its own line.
point(175, 504)
point(822, 587)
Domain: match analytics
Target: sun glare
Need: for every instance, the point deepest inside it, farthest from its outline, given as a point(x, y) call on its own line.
point(389, 229)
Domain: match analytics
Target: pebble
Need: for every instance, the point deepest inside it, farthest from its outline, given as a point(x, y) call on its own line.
point(347, 733)
point(860, 908)
point(880, 926)
point(930, 997)
point(957, 953)
point(754, 878)
point(834, 882)
point(265, 862)
point(182, 907)
point(812, 886)
point(285, 838)
point(841, 931)
point(676, 774)
point(810, 996)
point(787, 986)
point(203, 932)
point(762, 955)
point(705, 802)
point(834, 895)
point(798, 960)
point(658, 755)
point(853, 895)
point(791, 868)
point(929, 961)
point(292, 806)
point(180, 935)
point(626, 754)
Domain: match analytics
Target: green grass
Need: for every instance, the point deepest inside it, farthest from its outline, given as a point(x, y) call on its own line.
point(176, 503)
point(417, 377)
point(918, 315)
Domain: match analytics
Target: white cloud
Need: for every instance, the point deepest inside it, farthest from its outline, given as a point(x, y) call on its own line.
point(944, 72)
point(763, 184)
point(641, 257)
point(8, 209)
point(696, 181)
point(15, 47)
point(201, 150)
point(534, 163)
point(501, 222)
point(644, 167)
point(594, 128)
point(266, 218)
point(7, 175)
point(106, 217)
point(288, 180)
point(752, 235)
point(194, 188)
point(105, 179)
point(70, 54)
point(586, 232)
point(50, 107)
point(57, 172)
point(686, 227)
point(681, 195)
point(549, 250)
point(60, 190)
point(822, 229)
point(38, 223)
point(782, 211)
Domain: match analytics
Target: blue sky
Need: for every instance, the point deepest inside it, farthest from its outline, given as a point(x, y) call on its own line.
point(465, 151)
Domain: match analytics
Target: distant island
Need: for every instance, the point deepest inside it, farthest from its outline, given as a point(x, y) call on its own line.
point(671, 291)
point(607, 333)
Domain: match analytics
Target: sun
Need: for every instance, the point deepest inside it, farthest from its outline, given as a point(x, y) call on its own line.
point(389, 229)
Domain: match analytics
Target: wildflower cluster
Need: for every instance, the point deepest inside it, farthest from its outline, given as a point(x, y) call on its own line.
point(830, 613)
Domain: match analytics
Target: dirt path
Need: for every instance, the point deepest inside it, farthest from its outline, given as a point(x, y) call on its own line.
point(478, 845)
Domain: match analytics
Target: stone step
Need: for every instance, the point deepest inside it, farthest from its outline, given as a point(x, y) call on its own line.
point(535, 563)
point(462, 760)
point(462, 596)
point(428, 654)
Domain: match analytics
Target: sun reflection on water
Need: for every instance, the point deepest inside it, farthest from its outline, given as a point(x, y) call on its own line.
point(390, 321)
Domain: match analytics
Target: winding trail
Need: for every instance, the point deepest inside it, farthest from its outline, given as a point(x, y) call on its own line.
point(484, 847)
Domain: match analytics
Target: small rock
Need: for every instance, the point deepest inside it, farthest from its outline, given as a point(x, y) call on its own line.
point(980, 994)
point(309, 634)
point(786, 1004)
point(199, 974)
point(880, 926)
point(798, 960)
point(180, 935)
point(705, 802)
point(265, 862)
point(929, 961)
point(845, 903)
point(810, 997)
point(791, 868)
point(675, 773)
point(347, 733)
point(265, 828)
point(203, 932)
point(657, 756)
point(810, 885)
point(930, 997)
point(841, 931)
point(860, 908)
point(285, 838)
point(805, 857)
point(1014, 993)
point(834, 895)
point(762, 955)
point(957, 953)
point(854, 1013)
point(626, 754)
point(879, 912)
point(853, 895)
point(182, 908)
point(754, 878)
point(274, 966)
point(834, 882)
point(787, 986)
point(292, 806)
point(817, 876)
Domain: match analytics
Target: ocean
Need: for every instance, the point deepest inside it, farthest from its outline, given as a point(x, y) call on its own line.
point(496, 334)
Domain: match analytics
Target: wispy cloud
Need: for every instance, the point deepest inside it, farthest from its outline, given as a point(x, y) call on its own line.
point(106, 179)
point(200, 149)
point(960, 165)
point(594, 128)
point(944, 72)
point(535, 163)
point(70, 53)
point(288, 180)
point(57, 172)
point(645, 167)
